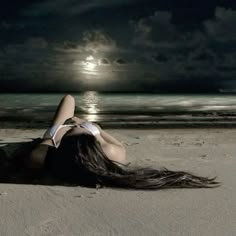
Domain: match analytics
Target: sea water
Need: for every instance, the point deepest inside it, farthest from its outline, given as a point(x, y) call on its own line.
point(120, 108)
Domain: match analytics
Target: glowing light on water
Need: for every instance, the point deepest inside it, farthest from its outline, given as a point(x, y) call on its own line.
point(90, 100)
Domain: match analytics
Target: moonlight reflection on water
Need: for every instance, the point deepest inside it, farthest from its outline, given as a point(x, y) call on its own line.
point(90, 101)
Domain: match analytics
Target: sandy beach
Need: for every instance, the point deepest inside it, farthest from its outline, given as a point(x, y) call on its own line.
point(40, 210)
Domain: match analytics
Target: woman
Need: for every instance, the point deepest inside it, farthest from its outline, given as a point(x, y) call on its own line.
point(78, 151)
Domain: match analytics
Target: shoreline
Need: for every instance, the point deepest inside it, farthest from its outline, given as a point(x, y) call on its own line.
point(132, 125)
point(128, 121)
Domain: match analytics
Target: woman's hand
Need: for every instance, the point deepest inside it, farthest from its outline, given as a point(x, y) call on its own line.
point(75, 120)
point(78, 120)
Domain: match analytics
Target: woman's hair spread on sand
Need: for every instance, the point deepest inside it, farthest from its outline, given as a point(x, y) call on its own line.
point(80, 158)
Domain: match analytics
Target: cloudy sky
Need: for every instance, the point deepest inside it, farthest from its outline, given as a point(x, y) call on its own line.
point(118, 45)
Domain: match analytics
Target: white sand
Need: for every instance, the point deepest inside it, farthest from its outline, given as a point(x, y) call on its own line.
point(59, 210)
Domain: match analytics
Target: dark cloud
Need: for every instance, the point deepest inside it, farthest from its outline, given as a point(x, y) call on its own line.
point(203, 54)
point(155, 31)
point(65, 7)
point(104, 61)
point(5, 26)
point(97, 40)
point(226, 68)
point(38, 42)
point(176, 43)
point(191, 54)
point(29, 48)
point(204, 57)
point(70, 45)
point(91, 41)
point(120, 61)
point(160, 57)
point(222, 27)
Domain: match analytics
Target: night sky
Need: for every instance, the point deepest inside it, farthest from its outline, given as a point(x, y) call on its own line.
point(183, 46)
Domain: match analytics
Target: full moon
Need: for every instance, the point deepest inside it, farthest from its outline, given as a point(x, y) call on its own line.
point(89, 58)
point(90, 64)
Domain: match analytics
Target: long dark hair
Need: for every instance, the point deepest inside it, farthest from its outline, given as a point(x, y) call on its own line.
point(81, 159)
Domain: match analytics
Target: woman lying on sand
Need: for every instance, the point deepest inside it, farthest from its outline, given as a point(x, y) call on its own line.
point(81, 152)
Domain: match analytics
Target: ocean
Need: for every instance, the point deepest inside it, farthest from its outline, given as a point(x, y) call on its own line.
point(122, 109)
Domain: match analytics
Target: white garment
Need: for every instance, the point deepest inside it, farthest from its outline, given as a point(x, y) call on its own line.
point(52, 131)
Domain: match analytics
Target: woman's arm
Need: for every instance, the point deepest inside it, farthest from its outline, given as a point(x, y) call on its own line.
point(109, 138)
point(113, 148)
point(65, 110)
point(104, 135)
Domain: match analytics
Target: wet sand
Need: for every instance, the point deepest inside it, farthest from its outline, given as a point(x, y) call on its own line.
point(28, 209)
